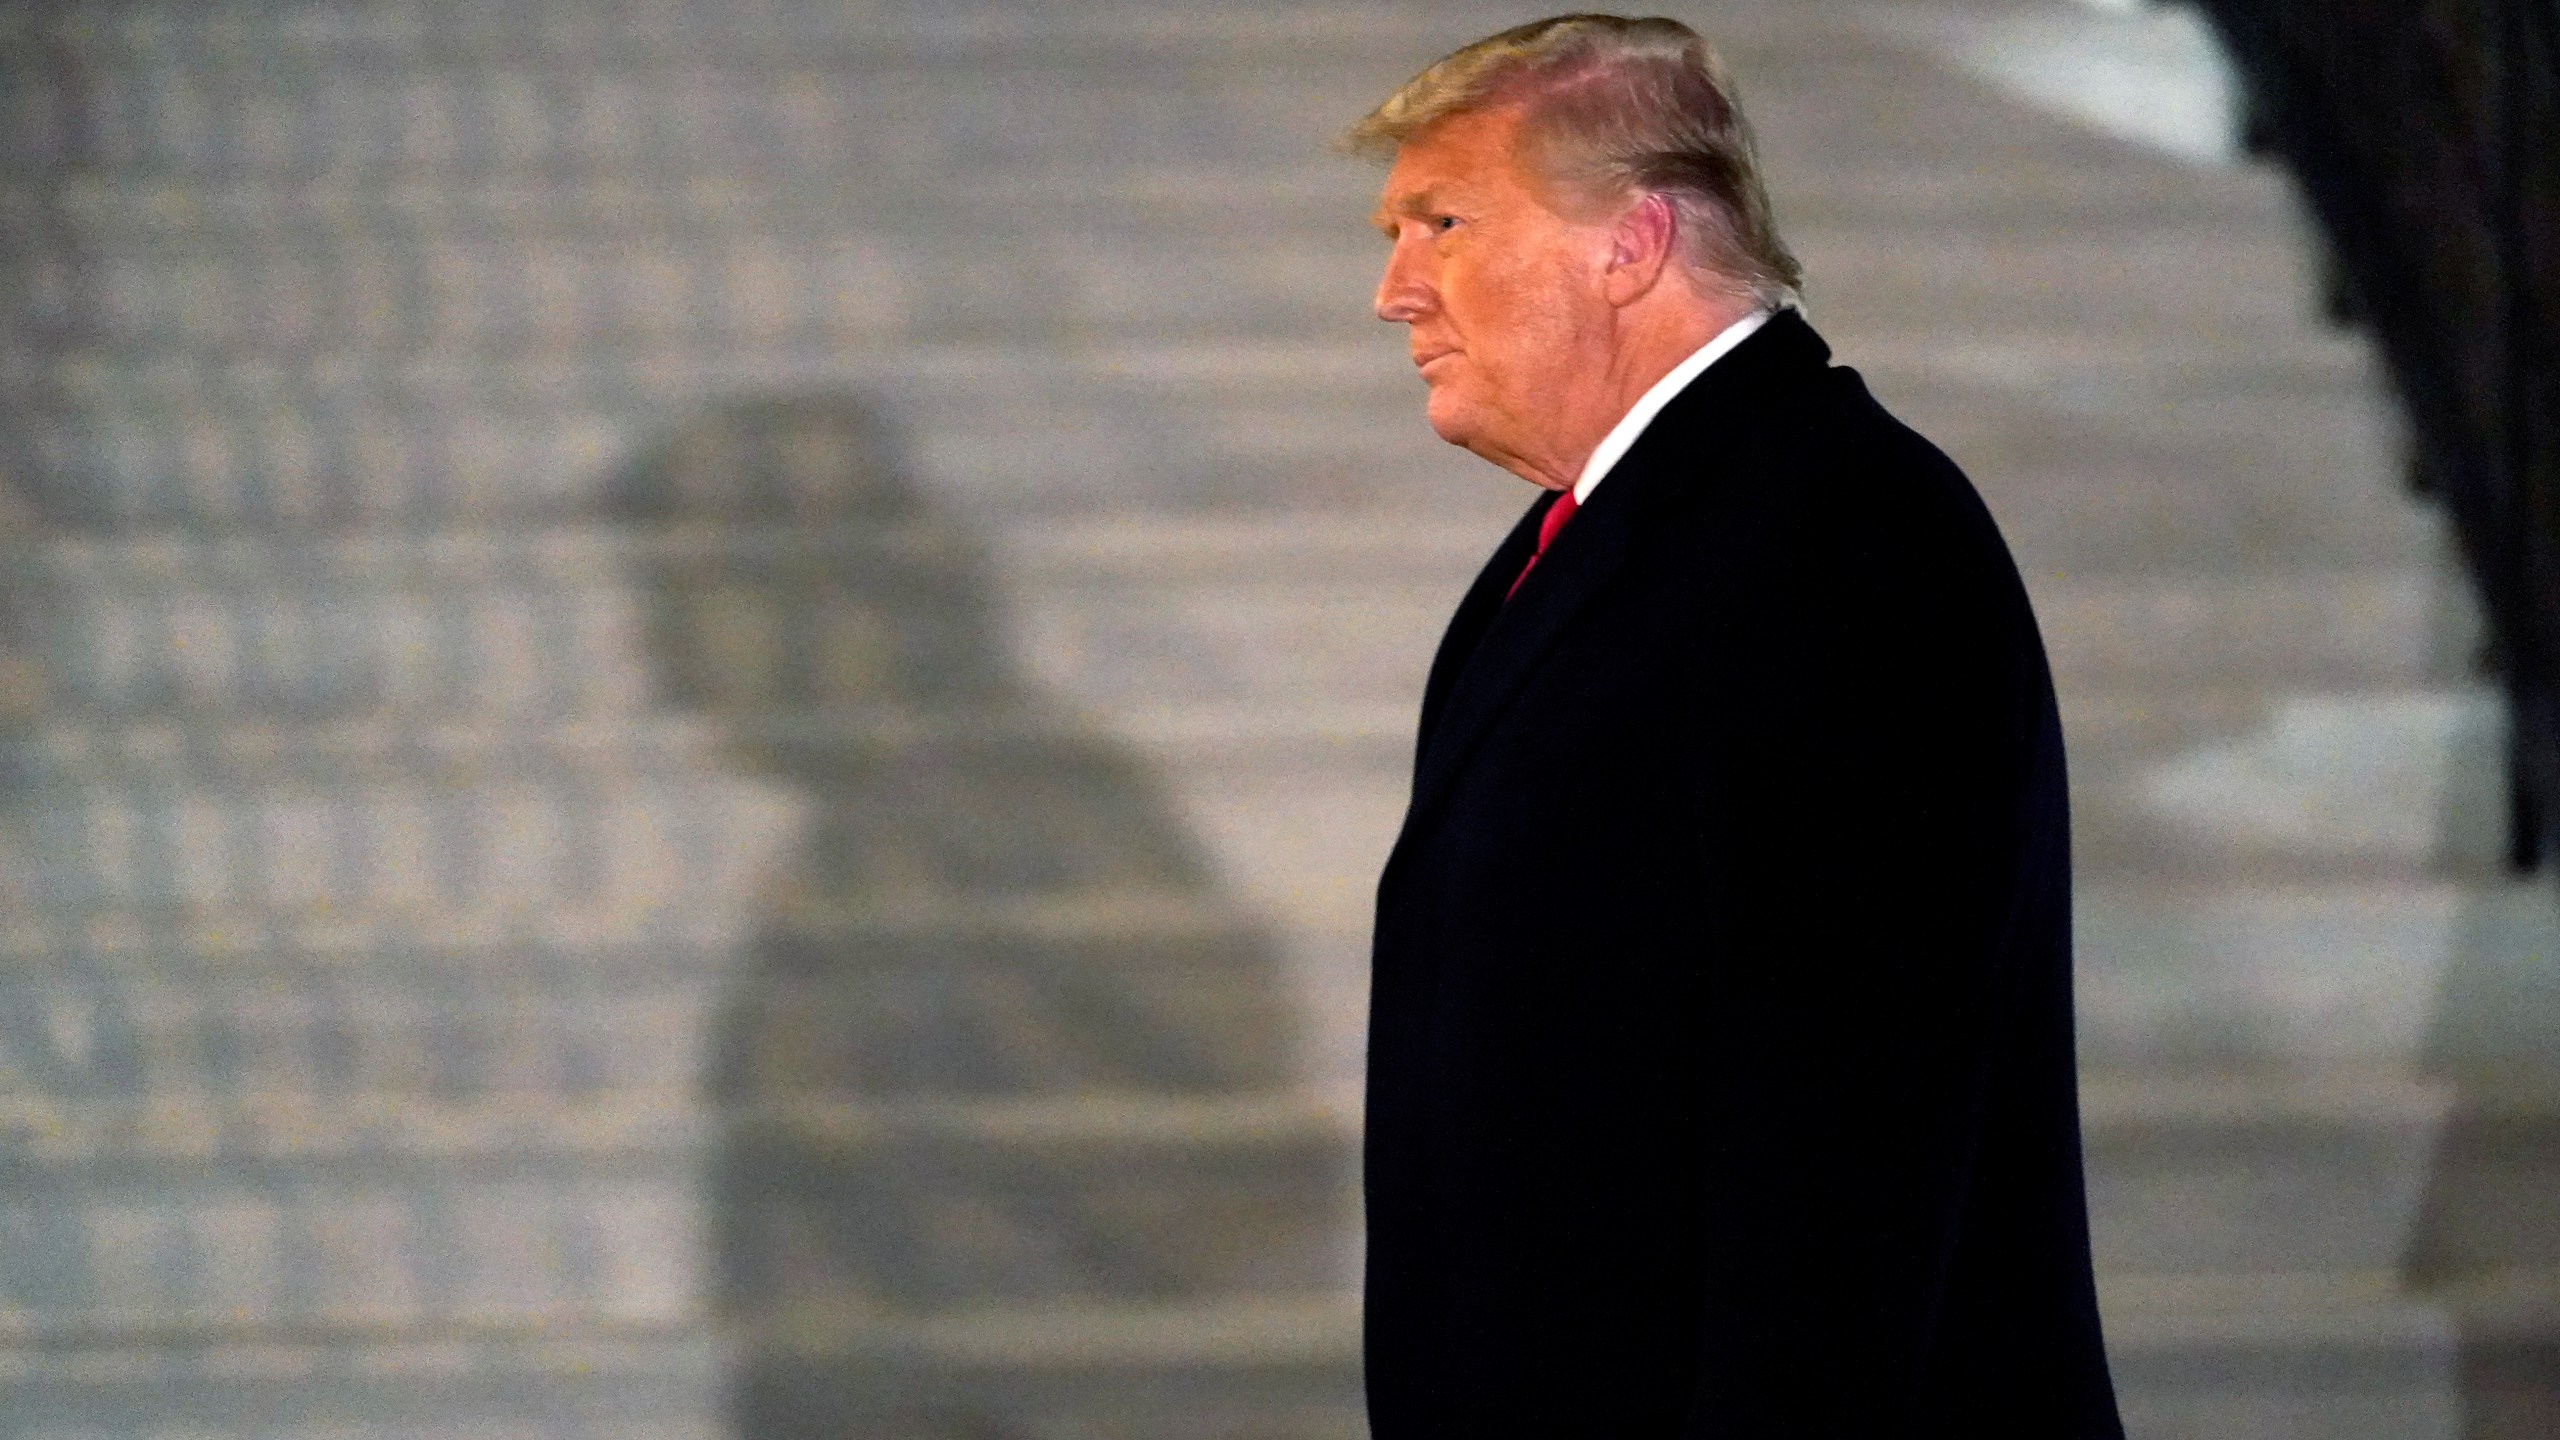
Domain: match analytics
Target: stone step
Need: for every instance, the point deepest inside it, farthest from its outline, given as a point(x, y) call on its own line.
point(839, 289)
point(1857, 277)
point(1188, 1006)
point(994, 996)
point(2320, 784)
point(84, 1033)
point(512, 1241)
point(2180, 486)
point(2116, 729)
point(1286, 1368)
point(882, 106)
point(497, 1383)
point(266, 461)
point(994, 805)
point(1257, 1368)
point(390, 745)
point(554, 940)
point(185, 653)
point(95, 1143)
point(847, 1207)
point(127, 214)
point(566, 624)
point(847, 653)
point(851, 288)
point(2211, 975)
point(2247, 1175)
point(259, 757)
point(756, 541)
point(645, 846)
point(2290, 629)
point(265, 1214)
point(2324, 1357)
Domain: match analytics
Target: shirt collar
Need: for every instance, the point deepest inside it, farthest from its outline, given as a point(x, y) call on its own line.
point(1622, 436)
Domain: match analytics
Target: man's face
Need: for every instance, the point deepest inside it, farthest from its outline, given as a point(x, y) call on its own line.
point(1501, 292)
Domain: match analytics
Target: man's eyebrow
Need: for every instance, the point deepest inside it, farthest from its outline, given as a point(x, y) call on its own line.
point(1419, 203)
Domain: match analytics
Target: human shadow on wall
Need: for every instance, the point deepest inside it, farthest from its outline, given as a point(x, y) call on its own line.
point(1003, 1080)
point(2486, 1237)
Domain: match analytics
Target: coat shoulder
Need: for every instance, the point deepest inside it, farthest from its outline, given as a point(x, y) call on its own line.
point(1825, 483)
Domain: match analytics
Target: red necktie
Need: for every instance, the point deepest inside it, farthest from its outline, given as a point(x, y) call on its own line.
point(1548, 525)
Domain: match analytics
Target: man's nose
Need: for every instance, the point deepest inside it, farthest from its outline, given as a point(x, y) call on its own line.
point(1403, 294)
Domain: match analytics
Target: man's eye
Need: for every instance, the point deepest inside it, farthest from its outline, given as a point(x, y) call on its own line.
point(1444, 222)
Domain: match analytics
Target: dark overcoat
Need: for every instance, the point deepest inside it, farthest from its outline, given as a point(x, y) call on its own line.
point(1720, 1057)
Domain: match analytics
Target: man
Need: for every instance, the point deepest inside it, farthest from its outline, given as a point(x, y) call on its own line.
point(1721, 1073)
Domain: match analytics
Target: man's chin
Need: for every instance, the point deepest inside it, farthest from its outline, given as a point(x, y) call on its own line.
point(1451, 419)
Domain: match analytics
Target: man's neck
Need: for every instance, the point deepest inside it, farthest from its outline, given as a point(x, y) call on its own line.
point(1639, 417)
point(1652, 341)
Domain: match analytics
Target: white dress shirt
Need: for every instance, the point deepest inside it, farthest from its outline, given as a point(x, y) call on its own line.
point(1614, 445)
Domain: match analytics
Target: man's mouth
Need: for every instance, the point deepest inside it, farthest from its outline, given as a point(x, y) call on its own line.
point(1424, 363)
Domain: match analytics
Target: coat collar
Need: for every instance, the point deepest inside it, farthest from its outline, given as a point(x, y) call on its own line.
point(1493, 646)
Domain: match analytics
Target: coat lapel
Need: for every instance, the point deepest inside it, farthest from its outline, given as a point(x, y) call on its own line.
point(1476, 612)
point(1518, 632)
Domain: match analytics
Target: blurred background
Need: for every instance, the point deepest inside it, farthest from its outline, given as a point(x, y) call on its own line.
point(698, 700)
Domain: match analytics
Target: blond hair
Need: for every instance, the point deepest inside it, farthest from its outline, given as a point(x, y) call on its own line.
point(1615, 107)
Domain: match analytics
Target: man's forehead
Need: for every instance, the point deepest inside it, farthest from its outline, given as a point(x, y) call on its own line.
point(1422, 195)
point(1464, 158)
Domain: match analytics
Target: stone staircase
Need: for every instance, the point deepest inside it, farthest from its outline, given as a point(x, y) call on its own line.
point(701, 701)
point(537, 899)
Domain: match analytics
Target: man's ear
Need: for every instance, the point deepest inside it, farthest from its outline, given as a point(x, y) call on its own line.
point(1640, 246)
